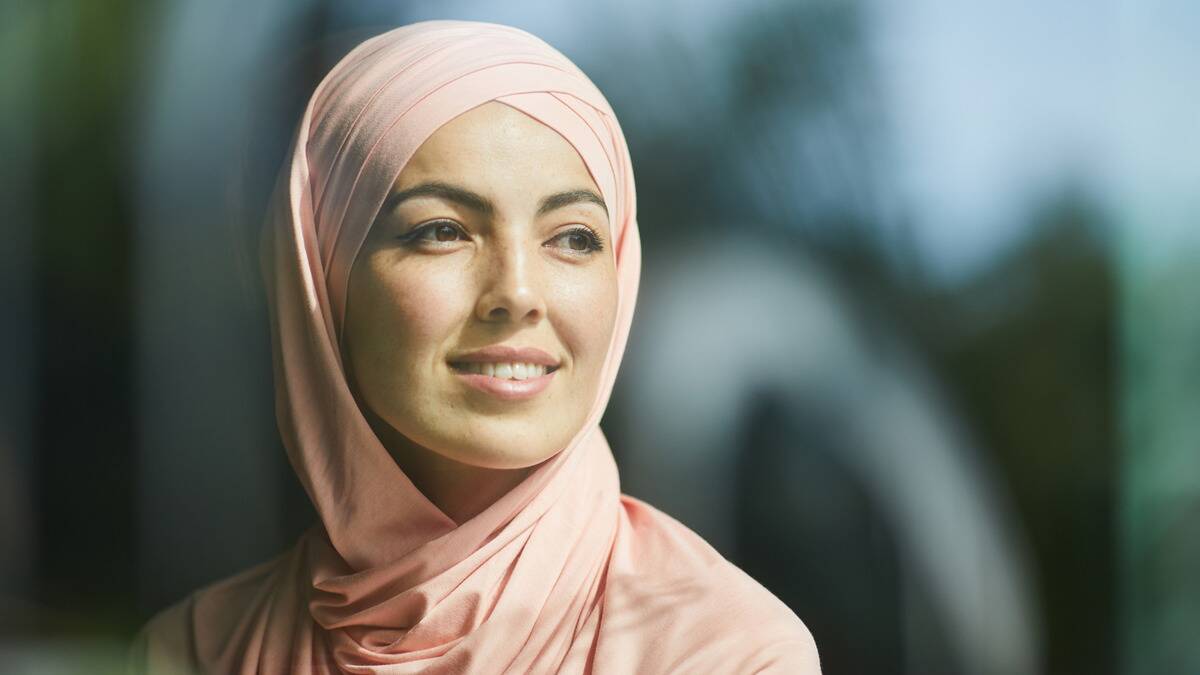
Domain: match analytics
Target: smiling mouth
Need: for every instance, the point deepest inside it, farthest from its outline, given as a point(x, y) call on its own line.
point(504, 371)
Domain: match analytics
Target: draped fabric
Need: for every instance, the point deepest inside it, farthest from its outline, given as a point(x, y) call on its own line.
point(561, 574)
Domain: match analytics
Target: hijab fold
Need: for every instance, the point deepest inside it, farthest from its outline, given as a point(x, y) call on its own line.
point(562, 573)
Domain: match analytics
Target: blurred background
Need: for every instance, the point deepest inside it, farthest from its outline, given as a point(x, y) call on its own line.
point(924, 276)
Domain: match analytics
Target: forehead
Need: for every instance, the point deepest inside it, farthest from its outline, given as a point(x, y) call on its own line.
point(494, 146)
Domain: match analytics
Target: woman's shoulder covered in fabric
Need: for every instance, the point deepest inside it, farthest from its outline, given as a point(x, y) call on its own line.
point(167, 643)
point(727, 611)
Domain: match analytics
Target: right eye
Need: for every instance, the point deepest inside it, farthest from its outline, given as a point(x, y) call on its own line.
point(442, 231)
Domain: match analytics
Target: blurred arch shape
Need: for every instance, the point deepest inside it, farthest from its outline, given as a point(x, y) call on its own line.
point(722, 320)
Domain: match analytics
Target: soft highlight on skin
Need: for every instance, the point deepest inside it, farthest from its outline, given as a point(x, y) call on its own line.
point(486, 239)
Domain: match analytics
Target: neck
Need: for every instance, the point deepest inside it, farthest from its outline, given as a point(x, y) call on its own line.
point(461, 491)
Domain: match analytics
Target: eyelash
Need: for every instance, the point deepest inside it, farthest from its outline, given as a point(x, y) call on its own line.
point(594, 243)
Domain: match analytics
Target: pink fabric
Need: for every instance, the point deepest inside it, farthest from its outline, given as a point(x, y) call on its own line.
point(562, 574)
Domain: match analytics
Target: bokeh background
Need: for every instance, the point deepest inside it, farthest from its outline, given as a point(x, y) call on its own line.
point(918, 343)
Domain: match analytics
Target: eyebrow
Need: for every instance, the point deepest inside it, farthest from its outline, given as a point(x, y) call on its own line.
point(477, 202)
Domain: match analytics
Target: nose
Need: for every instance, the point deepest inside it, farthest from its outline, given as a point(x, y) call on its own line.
point(510, 288)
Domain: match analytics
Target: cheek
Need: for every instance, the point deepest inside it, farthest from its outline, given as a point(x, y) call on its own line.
point(410, 312)
point(587, 308)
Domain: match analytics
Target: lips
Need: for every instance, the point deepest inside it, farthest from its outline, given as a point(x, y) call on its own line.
point(506, 354)
point(506, 389)
point(506, 372)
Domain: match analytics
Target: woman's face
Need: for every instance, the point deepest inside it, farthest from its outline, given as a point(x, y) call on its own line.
point(494, 234)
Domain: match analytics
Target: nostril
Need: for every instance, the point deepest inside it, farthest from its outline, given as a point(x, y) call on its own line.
point(522, 305)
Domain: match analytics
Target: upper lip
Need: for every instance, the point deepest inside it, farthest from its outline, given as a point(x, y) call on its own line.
point(506, 354)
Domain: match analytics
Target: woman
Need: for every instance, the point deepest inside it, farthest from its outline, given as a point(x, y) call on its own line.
point(452, 259)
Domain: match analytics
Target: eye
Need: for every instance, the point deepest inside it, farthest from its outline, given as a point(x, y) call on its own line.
point(580, 240)
point(440, 231)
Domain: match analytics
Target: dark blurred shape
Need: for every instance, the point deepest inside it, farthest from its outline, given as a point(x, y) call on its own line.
point(17, 332)
point(1028, 349)
point(75, 455)
point(212, 469)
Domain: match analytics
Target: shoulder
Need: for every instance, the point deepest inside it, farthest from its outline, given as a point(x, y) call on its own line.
point(175, 640)
point(717, 612)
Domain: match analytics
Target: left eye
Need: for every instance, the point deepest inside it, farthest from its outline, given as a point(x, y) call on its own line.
point(576, 241)
point(580, 240)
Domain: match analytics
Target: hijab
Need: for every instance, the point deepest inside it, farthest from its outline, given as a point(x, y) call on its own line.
point(561, 574)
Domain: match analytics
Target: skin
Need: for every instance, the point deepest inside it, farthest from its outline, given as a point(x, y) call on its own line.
point(473, 278)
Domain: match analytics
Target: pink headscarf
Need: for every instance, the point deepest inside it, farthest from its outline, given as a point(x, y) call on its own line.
point(563, 573)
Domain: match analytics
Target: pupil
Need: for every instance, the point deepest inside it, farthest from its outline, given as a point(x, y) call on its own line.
point(446, 230)
point(582, 243)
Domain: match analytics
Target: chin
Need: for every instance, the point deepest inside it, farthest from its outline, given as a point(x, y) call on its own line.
point(500, 454)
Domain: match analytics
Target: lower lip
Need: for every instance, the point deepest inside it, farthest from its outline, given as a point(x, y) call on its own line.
point(508, 390)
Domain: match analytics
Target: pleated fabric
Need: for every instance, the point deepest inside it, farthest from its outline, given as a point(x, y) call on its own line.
point(563, 573)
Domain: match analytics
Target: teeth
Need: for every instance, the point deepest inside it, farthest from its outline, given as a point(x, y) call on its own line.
point(506, 371)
